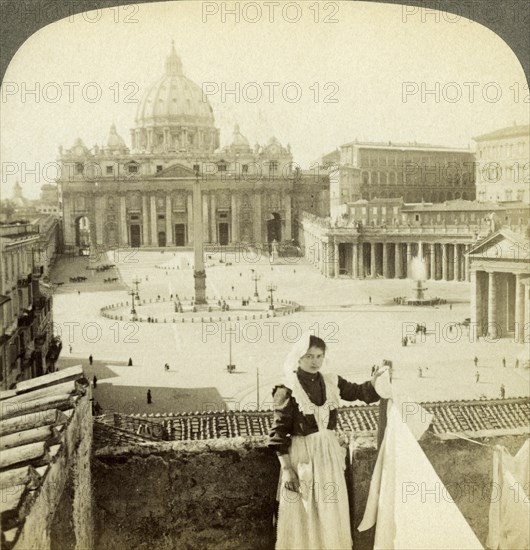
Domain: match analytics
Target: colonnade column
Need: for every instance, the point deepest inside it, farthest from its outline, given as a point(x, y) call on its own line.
point(361, 260)
point(492, 306)
point(444, 262)
point(409, 258)
point(145, 221)
point(386, 270)
point(519, 308)
point(467, 274)
point(372, 260)
point(154, 236)
point(476, 317)
point(355, 260)
point(324, 263)
point(169, 225)
point(433, 262)
point(398, 261)
point(456, 262)
point(336, 264)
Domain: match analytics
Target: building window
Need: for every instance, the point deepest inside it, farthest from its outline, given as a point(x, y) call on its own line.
point(159, 168)
point(221, 166)
point(161, 217)
point(417, 217)
point(273, 166)
point(244, 168)
point(196, 168)
point(109, 170)
point(508, 194)
point(78, 167)
point(133, 168)
point(520, 194)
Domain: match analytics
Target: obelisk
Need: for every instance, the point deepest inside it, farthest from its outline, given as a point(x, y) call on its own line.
point(199, 273)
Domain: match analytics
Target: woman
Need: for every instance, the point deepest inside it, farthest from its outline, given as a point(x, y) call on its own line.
point(313, 501)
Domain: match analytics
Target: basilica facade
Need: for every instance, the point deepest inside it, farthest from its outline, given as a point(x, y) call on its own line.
point(142, 196)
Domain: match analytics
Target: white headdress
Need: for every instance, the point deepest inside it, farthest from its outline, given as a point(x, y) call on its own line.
point(290, 379)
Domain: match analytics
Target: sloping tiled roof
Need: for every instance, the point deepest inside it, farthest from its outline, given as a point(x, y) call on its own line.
point(464, 417)
point(509, 131)
point(34, 418)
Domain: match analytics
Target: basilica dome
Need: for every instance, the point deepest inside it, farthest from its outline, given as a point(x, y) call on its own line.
point(172, 114)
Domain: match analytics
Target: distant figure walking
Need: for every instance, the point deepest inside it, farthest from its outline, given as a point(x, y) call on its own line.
point(70, 348)
point(504, 362)
point(166, 366)
point(477, 376)
point(503, 391)
point(95, 381)
point(475, 360)
point(517, 363)
point(90, 359)
point(149, 398)
point(130, 363)
point(369, 299)
point(450, 307)
point(420, 372)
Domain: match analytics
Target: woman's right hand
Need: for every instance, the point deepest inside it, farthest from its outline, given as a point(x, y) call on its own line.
point(290, 480)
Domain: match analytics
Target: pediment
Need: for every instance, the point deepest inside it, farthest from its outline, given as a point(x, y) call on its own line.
point(502, 245)
point(176, 171)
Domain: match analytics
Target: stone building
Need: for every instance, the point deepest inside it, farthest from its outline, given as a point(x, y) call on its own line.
point(27, 345)
point(381, 236)
point(500, 292)
point(142, 196)
point(502, 165)
point(414, 172)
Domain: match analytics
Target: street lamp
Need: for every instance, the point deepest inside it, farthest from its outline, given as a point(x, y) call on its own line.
point(136, 282)
point(255, 277)
point(271, 288)
point(131, 293)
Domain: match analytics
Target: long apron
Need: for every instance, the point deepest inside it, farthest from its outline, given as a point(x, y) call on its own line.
point(318, 517)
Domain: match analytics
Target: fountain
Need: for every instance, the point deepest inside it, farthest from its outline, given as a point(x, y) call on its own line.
point(418, 272)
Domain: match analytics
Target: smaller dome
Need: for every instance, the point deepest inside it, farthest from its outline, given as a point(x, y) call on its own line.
point(115, 141)
point(239, 141)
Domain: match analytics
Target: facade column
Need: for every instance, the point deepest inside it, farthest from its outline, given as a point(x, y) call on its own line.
point(372, 261)
point(355, 260)
point(336, 264)
point(100, 210)
point(467, 274)
point(205, 219)
point(398, 261)
point(213, 220)
point(408, 259)
point(154, 236)
point(386, 271)
point(189, 207)
point(288, 221)
point(324, 260)
point(492, 306)
point(169, 222)
point(257, 218)
point(433, 262)
point(234, 218)
point(444, 262)
point(519, 309)
point(145, 221)
point(124, 238)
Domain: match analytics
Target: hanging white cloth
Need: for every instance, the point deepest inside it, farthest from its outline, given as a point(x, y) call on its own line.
point(407, 501)
point(509, 516)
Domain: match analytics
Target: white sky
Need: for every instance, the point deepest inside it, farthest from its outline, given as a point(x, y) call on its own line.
point(368, 53)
